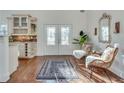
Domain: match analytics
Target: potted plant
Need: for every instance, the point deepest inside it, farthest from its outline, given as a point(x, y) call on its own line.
point(83, 38)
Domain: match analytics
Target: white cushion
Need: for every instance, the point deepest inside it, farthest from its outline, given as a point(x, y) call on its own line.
point(79, 53)
point(90, 59)
point(107, 53)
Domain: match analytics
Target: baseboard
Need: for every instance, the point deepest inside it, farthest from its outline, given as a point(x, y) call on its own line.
point(4, 78)
point(118, 72)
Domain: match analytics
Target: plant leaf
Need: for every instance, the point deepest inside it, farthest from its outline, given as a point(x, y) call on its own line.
point(75, 39)
point(75, 42)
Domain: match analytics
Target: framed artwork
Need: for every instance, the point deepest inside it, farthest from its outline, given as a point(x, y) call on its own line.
point(95, 31)
point(117, 27)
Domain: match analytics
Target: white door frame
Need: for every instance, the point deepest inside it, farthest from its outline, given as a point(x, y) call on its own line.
point(58, 48)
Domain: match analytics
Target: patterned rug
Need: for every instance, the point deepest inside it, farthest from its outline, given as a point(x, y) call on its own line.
point(57, 70)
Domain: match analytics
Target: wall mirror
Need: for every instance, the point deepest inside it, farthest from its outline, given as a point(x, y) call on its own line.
point(104, 29)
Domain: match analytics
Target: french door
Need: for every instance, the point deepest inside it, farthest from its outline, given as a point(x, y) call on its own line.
point(58, 39)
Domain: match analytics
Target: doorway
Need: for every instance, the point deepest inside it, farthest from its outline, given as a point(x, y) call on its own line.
point(58, 39)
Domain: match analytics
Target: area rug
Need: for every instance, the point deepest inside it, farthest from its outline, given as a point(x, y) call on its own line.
point(57, 70)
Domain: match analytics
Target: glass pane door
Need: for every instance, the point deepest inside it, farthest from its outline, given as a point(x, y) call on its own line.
point(51, 35)
point(65, 39)
point(58, 39)
point(64, 35)
point(16, 21)
point(24, 21)
point(51, 39)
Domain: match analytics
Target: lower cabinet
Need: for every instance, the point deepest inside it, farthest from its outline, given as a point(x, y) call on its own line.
point(27, 49)
point(13, 58)
point(20, 50)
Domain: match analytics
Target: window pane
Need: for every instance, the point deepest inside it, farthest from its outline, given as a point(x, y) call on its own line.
point(51, 36)
point(24, 21)
point(16, 21)
point(64, 35)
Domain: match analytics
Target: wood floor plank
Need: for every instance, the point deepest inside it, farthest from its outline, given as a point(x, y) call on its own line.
point(29, 69)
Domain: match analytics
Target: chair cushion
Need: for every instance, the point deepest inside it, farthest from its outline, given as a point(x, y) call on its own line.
point(79, 53)
point(90, 59)
point(107, 54)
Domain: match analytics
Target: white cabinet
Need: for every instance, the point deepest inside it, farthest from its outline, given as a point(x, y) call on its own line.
point(22, 24)
point(13, 58)
point(31, 49)
point(22, 29)
point(27, 49)
point(21, 49)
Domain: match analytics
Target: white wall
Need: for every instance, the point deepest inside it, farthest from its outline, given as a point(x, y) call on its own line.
point(92, 22)
point(76, 18)
point(4, 59)
point(4, 54)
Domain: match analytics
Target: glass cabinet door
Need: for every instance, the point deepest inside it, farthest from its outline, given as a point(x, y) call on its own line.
point(16, 21)
point(24, 22)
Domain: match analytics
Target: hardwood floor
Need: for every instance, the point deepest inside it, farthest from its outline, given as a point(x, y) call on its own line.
point(29, 69)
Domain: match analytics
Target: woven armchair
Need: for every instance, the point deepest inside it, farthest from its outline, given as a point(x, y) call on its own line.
point(101, 63)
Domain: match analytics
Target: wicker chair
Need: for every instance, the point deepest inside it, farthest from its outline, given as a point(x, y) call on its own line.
point(103, 64)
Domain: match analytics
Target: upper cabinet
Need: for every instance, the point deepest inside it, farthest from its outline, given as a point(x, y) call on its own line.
point(20, 22)
point(22, 25)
